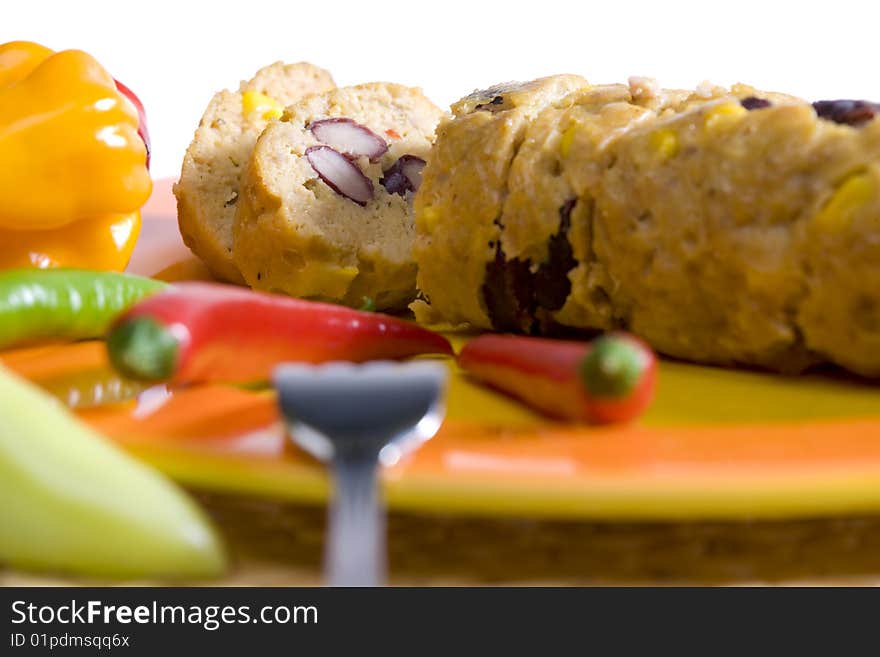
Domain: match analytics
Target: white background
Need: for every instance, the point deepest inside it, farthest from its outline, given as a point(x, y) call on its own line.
point(176, 54)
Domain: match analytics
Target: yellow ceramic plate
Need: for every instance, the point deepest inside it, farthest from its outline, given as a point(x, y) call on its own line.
point(717, 444)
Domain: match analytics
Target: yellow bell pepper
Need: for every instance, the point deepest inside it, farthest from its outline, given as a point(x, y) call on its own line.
point(73, 172)
point(104, 243)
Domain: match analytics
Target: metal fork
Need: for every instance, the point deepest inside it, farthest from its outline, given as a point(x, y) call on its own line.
point(354, 418)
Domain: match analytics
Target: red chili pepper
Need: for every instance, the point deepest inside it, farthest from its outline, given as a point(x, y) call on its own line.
point(207, 332)
point(611, 379)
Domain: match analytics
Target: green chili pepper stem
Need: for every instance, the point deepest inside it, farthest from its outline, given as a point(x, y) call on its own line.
point(141, 348)
point(612, 368)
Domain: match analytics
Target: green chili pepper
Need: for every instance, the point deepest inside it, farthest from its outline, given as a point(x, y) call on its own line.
point(71, 501)
point(64, 304)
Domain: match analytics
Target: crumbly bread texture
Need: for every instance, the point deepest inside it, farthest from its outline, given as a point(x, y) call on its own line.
point(722, 226)
point(464, 188)
point(208, 189)
point(295, 234)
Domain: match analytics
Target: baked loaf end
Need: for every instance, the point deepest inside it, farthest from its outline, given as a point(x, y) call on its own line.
point(752, 241)
point(722, 226)
point(208, 189)
point(326, 210)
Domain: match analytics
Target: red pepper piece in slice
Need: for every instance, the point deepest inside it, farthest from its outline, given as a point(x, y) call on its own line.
point(611, 379)
point(207, 332)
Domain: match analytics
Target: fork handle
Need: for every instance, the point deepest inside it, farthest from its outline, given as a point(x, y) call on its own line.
point(355, 550)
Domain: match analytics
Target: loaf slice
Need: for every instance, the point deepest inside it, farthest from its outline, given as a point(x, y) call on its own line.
point(326, 210)
point(458, 208)
point(208, 189)
point(547, 216)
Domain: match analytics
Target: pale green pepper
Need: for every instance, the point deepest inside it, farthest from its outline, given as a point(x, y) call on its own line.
point(71, 501)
